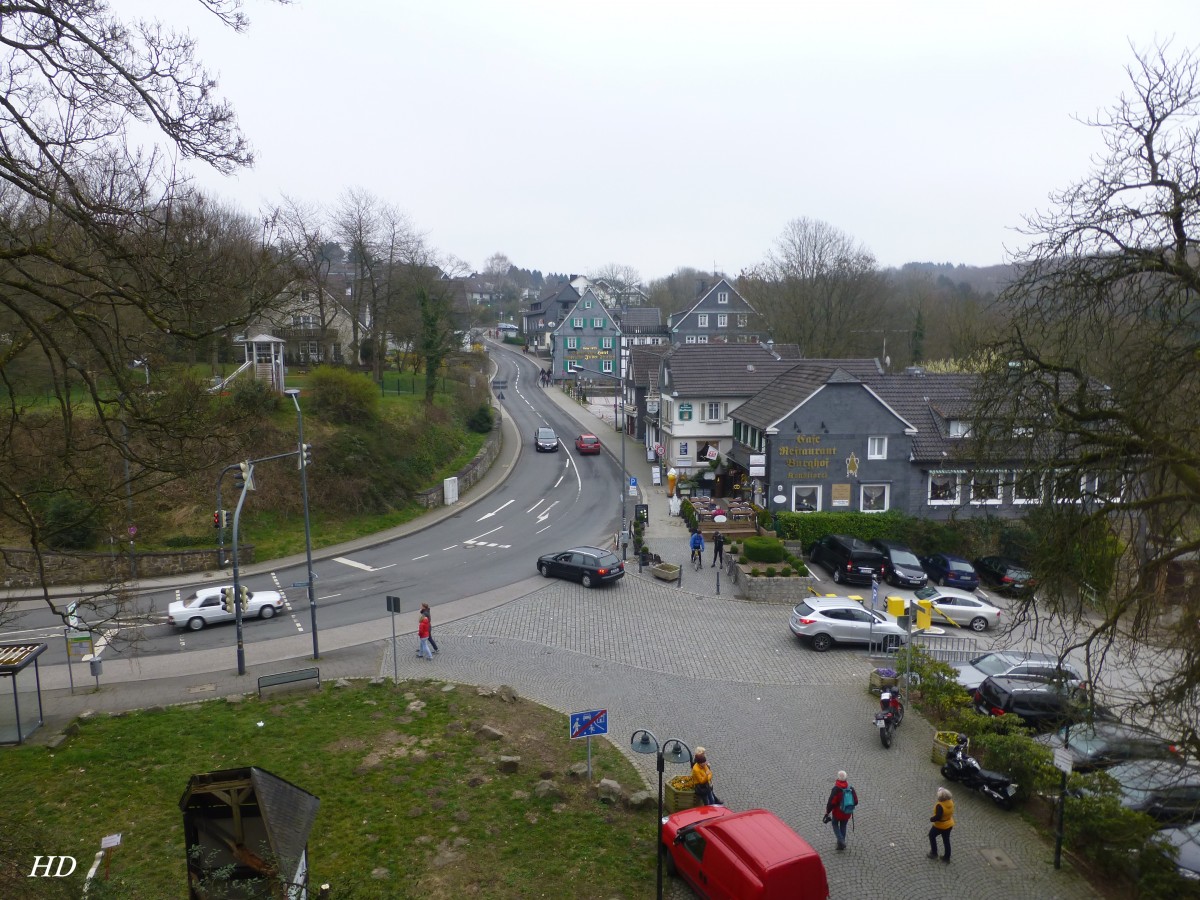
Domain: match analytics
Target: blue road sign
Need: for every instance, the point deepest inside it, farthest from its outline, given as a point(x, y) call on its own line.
point(632, 481)
point(589, 722)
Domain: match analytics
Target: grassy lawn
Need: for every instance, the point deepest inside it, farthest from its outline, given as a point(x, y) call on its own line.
point(412, 801)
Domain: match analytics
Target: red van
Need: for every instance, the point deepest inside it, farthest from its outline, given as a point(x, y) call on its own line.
point(750, 855)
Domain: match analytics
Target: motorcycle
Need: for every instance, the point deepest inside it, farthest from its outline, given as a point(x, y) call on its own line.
point(889, 717)
point(965, 769)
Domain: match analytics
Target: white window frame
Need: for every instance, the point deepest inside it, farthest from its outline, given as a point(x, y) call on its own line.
point(722, 296)
point(816, 488)
point(597, 323)
point(950, 501)
point(587, 304)
point(722, 320)
point(606, 365)
point(701, 320)
point(862, 497)
point(712, 411)
point(690, 339)
point(877, 447)
point(572, 343)
point(743, 320)
point(1120, 483)
point(702, 339)
point(606, 343)
point(1019, 500)
point(577, 322)
point(958, 429)
point(1080, 491)
point(988, 501)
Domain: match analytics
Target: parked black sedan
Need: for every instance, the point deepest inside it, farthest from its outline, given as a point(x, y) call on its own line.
point(1005, 574)
point(588, 565)
point(1103, 744)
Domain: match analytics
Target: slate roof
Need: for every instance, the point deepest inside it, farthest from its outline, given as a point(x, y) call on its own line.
point(799, 382)
point(640, 317)
point(929, 401)
point(644, 360)
point(722, 370)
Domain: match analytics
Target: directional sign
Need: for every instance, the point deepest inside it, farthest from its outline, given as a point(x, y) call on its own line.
point(499, 384)
point(589, 722)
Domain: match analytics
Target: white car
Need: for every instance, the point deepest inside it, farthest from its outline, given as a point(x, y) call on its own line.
point(961, 608)
point(204, 608)
point(834, 620)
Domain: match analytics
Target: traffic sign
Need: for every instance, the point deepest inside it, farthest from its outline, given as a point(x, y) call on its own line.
point(589, 722)
point(632, 481)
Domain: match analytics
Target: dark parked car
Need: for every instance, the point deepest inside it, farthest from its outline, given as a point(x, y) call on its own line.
point(1168, 790)
point(544, 439)
point(1005, 574)
point(1103, 744)
point(951, 571)
point(901, 566)
point(1042, 705)
point(1016, 664)
point(589, 565)
point(848, 558)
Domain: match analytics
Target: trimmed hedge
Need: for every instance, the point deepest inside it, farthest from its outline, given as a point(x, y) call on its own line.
point(764, 549)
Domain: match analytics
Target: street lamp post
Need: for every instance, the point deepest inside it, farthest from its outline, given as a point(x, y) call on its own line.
point(678, 752)
point(294, 393)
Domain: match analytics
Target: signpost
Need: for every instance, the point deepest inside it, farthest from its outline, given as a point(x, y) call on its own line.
point(585, 724)
point(393, 606)
point(1062, 762)
point(633, 489)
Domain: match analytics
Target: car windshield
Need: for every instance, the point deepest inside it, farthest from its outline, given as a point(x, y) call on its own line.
point(545, 434)
point(904, 558)
point(991, 664)
point(959, 565)
point(928, 593)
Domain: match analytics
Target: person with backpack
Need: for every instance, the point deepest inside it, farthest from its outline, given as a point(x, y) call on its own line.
point(943, 822)
point(843, 800)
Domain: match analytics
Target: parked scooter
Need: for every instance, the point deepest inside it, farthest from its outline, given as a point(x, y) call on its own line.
point(889, 717)
point(965, 769)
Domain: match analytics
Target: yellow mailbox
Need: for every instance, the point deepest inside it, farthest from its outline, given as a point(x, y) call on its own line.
point(895, 606)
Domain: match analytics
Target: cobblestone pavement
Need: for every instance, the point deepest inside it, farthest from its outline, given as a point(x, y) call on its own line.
point(777, 719)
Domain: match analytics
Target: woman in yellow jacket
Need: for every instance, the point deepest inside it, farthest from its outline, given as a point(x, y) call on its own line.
point(943, 821)
point(702, 778)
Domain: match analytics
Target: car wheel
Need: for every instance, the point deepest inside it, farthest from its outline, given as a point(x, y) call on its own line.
point(195, 624)
point(837, 576)
point(668, 861)
point(821, 642)
point(979, 623)
point(586, 580)
point(266, 612)
point(544, 569)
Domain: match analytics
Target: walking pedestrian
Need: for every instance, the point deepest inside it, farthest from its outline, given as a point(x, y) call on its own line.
point(718, 548)
point(423, 634)
point(425, 611)
point(943, 822)
point(840, 807)
point(702, 778)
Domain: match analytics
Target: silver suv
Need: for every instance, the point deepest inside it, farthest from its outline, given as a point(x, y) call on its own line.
point(825, 621)
point(1017, 664)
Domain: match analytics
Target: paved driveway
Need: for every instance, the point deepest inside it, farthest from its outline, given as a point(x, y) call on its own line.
point(777, 719)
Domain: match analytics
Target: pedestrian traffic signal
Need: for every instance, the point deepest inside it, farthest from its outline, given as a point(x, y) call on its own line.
point(227, 599)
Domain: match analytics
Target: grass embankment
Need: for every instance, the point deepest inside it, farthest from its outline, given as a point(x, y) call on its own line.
point(412, 801)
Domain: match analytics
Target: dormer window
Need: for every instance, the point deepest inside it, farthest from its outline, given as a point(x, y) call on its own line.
point(959, 428)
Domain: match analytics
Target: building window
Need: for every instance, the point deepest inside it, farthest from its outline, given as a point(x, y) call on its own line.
point(606, 365)
point(1068, 487)
point(712, 412)
point(690, 339)
point(597, 323)
point(587, 304)
point(304, 321)
point(685, 412)
point(743, 320)
point(877, 448)
point(606, 343)
point(985, 488)
point(1110, 487)
point(806, 498)
point(873, 498)
point(943, 488)
point(572, 343)
point(959, 428)
point(702, 320)
point(1027, 487)
point(577, 323)
point(722, 296)
point(702, 339)
point(722, 320)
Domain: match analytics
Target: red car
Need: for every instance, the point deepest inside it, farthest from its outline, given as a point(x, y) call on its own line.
point(587, 443)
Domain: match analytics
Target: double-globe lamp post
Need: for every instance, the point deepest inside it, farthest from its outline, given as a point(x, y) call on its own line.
point(677, 752)
point(294, 393)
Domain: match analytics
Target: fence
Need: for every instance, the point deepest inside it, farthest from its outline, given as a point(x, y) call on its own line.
point(948, 648)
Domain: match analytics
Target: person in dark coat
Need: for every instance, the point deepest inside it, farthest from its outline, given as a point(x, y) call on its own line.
point(718, 548)
point(835, 808)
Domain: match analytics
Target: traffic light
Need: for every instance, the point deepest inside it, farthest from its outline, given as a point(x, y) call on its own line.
point(243, 595)
point(226, 516)
point(216, 518)
point(305, 455)
point(227, 599)
point(243, 478)
point(221, 518)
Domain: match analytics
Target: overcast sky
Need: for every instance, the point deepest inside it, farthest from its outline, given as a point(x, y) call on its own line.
point(660, 134)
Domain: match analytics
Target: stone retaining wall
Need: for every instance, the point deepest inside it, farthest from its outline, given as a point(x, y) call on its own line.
point(469, 474)
point(18, 568)
point(772, 590)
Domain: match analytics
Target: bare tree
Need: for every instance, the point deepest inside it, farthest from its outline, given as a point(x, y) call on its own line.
point(306, 239)
point(816, 288)
point(1092, 395)
point(107, 255)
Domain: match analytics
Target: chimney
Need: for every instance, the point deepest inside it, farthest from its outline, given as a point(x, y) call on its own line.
point(702, 288)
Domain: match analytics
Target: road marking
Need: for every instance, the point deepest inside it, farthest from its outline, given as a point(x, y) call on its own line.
point(471, 540)
point(544, 515)
point(363, 566)
point(494, 511)
point(451, 547)
point(536, 505)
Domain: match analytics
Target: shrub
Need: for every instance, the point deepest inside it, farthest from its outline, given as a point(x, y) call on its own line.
point(770, 571)
point(1027, 762)
point(71, 523)
point(765, 549)
point(755, 573)
point(250, 395)
point(1101, 830)
point(342, 397)
point(786, 572)
point(481, 419)
point(743, 559)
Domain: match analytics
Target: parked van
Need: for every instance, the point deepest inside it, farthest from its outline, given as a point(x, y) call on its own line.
point(750, 855)
point(848, 559)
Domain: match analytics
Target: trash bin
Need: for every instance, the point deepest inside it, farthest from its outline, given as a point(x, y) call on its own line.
point(943, 741)
point(641, 513)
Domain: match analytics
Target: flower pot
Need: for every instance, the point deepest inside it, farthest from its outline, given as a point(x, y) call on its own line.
point(665, 571)
point(675, 799)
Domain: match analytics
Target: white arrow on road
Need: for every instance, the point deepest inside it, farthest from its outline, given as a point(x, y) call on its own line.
point(493, 512)
point(545, 514)
point(363, 566)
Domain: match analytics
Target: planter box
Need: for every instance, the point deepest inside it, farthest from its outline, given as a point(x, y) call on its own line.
point(675, 800)
point(879, 682)
point(944, 741)
point(665, 571)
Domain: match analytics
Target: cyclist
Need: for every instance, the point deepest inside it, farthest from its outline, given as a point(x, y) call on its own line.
point(697, 544)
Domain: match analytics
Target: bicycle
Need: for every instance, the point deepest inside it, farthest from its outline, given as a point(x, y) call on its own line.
point(697, 560)
point(732, 570)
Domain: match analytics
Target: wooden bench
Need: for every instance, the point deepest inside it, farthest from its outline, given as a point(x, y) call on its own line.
point(288, 678)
